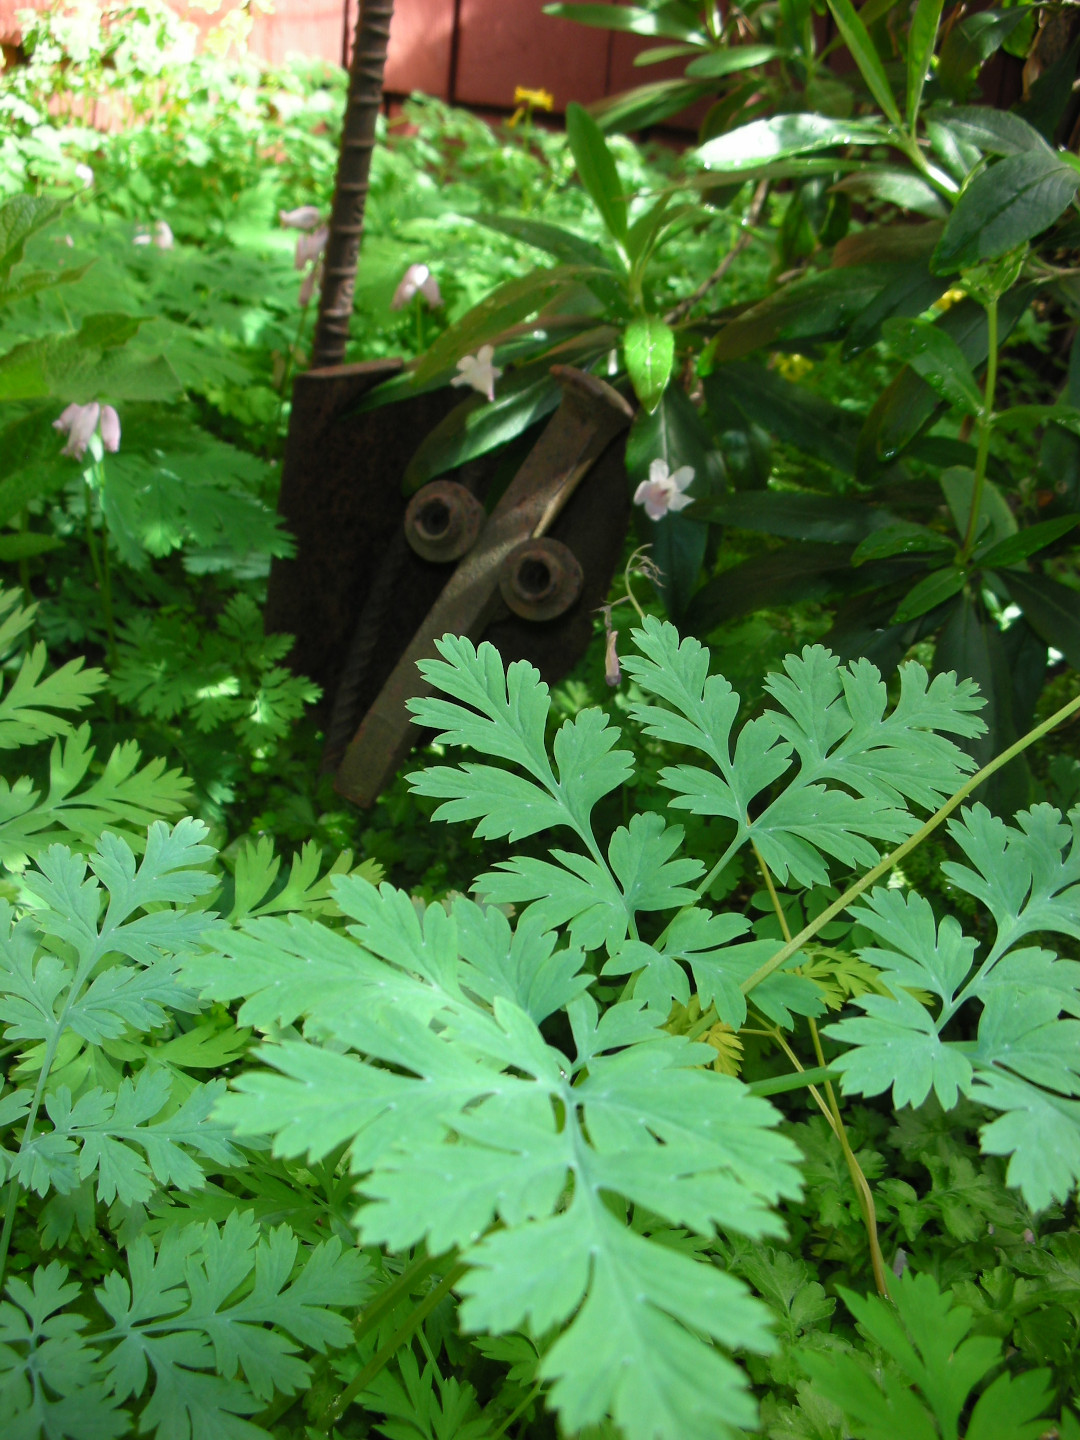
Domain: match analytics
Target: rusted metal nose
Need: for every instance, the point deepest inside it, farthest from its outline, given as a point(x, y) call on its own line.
point(540, 579)
point(443, 520)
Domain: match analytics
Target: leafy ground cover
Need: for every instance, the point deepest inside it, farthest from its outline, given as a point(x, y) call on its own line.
point(693, 1056)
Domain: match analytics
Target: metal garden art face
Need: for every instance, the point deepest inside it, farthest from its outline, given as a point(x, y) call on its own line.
point(522, 559)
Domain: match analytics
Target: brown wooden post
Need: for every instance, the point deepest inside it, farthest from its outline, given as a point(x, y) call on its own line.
point(350, 194)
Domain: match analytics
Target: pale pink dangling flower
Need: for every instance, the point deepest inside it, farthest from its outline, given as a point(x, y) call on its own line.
point(612, 668)
point(78, 423)
point(309, 246)
point(417, 280)
point(110, 429)
point(478, 372)
point(163, 237)
point(663, 491)
point(304, 217)
point(310, 282)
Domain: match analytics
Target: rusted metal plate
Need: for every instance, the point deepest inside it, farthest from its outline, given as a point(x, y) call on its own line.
point(356, 594)
point(589, 418)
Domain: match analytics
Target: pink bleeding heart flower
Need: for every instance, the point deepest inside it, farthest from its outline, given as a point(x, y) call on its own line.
point(664, 491)
point(310, 245)
point(417, 280)
point(478, 372)
point(79, 422)
point(304, 217)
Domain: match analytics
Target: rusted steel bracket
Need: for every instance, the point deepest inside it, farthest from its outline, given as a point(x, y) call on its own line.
point(513, 564)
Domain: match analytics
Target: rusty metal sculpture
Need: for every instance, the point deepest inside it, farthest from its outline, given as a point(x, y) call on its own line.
point(376, 581)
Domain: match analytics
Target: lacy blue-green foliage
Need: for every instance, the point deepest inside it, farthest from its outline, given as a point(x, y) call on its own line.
point(76, 802)
point(562, 1170)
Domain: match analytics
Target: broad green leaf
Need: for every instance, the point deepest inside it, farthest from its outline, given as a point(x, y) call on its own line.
point(934, 354)
point(25, 546)
point(1015, 548)
point(511, 302)
point(820, 307)
point(566, 247)
point(994, 132)
point(596, 169)
point(1050, 608)
point(905, 406)
point(1011, 202)
point(934, 590)
point(782, 135)
point(970, 43)
point(477, 426)
point(804, 517)
point(901, 538)
point(911, 292)
point(996, 520)
point(648, 104)
point(671, 22)
point(728, 61)
point(922, 36)
point(649, 347)
point(22, 216)
point(791, 412)
point(807, 570)
point(896, 187)
point(1038, 1131)
point(864, 53)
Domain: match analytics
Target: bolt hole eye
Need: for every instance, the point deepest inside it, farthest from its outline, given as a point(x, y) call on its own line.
point(434, 519)
point(443, 521)
point(534, 578)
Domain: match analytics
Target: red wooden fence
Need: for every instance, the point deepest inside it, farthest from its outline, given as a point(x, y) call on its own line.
point(471, 52)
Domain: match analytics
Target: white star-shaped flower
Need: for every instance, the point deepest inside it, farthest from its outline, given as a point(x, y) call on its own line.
point(664, 491)
point(478, 371)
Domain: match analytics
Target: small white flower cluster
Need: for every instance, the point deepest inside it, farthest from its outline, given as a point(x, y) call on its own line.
point(78, 423)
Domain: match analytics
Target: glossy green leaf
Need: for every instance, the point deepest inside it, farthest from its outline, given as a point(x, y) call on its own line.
point(1024, 417)
point(901, 538)
point(792, 413)
point(938, 586)
point(802, 517)
point(864, 53)
point(820, 307)
point(895, 187)
point(934, 354)
point(648, 104)
point(1011, 202)
point(649, 347)
point(26, 545)
point(779, 577)
point(728, 61)
point(477, 426)
point(911, 292)
point(905, 406)
point(970, 44)
point(564, 245)
point(505, 306)
point(922, 37)
point(780, 136)
point(596, 168)
point(1050, 608)
point(22, 216)
point(994, 132)
point(663, 21)
point(658, 54)
point(1026, 542)
point(996, 520)
point(1049, 98)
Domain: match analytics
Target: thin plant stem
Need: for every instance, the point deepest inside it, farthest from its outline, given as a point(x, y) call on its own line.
point(337, 1407)
point(831, 1109)
point(753, 215)
point(986, 424)
point(911, 843)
